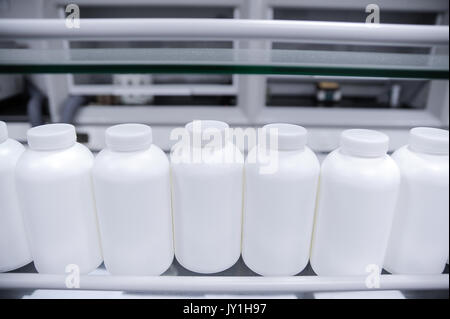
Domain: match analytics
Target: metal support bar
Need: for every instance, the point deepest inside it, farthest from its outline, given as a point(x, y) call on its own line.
point(224, 283)
point(226, 29)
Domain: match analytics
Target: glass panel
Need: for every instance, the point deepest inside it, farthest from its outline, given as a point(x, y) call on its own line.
point(225, 61)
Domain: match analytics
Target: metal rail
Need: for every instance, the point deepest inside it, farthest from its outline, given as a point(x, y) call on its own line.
point(226, 29)
point(223, 283)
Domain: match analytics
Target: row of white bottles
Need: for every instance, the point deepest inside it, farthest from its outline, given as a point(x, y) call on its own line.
point(361, 191)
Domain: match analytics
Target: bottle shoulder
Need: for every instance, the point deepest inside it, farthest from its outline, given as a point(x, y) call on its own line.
point(228, 154)
point(10, 151)
point(77, 158)
point(150, 161)
point(421, 165)
point(360, 170)
point(302, 162)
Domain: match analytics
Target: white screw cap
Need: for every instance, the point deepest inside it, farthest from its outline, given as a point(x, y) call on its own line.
point(206, 130)
point(364, 143)
point(51, 137)
point(128, 137)
point(290, 136)
point(3, 132)
point(429, 140)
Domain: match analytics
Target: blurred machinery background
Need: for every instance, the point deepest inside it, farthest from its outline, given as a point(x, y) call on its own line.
point(323, 104)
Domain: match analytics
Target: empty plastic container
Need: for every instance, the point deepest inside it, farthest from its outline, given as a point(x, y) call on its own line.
point(55, 190)
point(279, 204)
point(357, 195)
point(420, 233)
point(14, 251)
point(207, 182)
point(132, 190)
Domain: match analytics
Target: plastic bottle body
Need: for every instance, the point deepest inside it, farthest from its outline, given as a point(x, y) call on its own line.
point(132, 192)
point(279, 213)
point(56, 197)
point(14, 249)
point(419, 240)
point(207, 207)
point(356, 202)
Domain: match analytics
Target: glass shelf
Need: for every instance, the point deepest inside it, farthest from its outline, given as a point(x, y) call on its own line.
point(226, 61)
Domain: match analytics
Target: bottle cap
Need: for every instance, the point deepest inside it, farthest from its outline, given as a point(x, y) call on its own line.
point(429, 140)
point(208, 132)
point(51, 137)
point(290, 136)
point(364, 143)
point(128, 137)
point(3, 132)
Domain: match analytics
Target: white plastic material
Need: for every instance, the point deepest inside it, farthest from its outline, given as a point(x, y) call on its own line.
point(51, 137)
point(429, 140)
point(364, 143)
point(14, 251)
point(357, 196)
point(207, 199)
point(419, 240)
point(132, 189)
point(3, 132)
point(56, 196)
point(128, 137)
point(279, 206)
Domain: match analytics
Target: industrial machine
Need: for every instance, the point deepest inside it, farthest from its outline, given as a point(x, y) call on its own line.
point(326, 65)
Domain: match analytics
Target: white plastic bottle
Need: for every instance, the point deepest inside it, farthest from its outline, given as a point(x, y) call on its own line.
point(207, 183)
point(14, 251)
point(357, 195)
point(132, 192)
point(54, 184)
point(420, 232)
point(279, 204)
